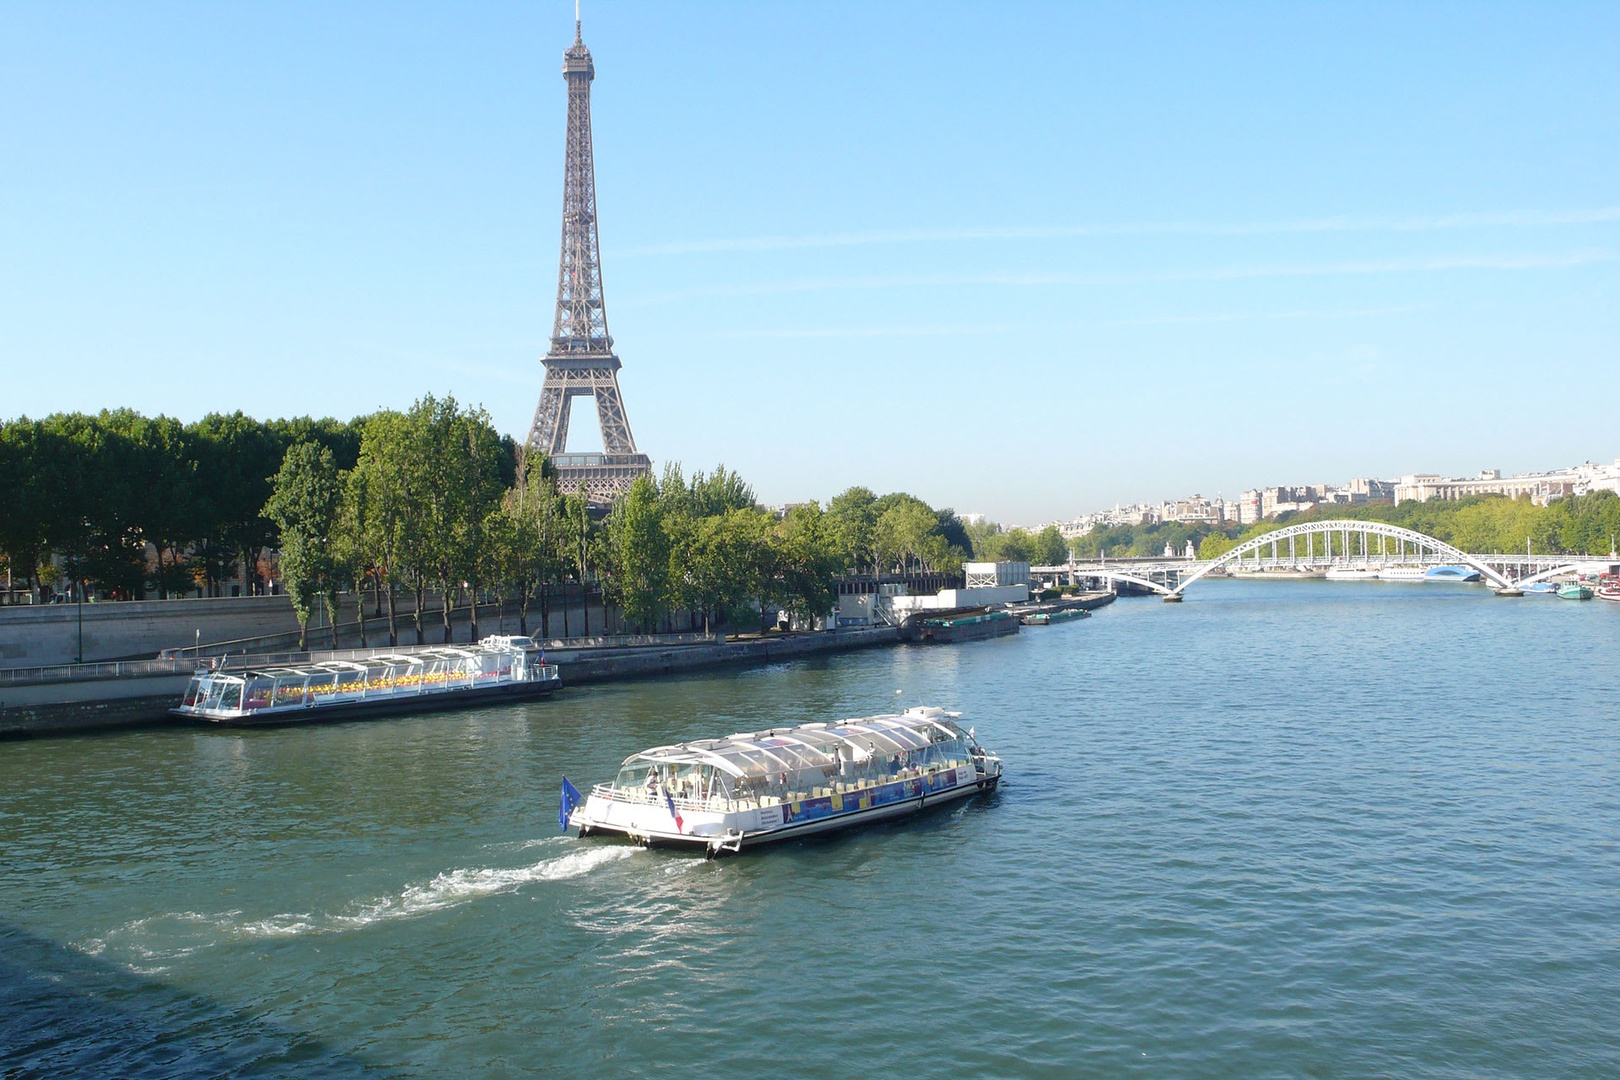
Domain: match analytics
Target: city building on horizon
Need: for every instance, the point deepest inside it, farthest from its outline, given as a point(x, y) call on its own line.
point(1259, 504)
point(1541, 487)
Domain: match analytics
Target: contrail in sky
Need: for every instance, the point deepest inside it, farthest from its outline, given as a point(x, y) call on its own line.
point(1518, 219)
point(1148, 320)
point(1228, 273)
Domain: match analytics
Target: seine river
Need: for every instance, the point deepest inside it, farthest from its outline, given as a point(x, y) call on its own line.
point(1308, 829)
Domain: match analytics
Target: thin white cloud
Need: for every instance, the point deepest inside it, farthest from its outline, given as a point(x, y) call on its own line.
point(1505, 219)
point(953, 330)
point(1431, 264)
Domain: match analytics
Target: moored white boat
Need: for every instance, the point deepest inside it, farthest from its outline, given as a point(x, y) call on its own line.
point(498, 668)
point(1608, 587)
point(723, 795)
point(1465, 574)
point(1352, 573)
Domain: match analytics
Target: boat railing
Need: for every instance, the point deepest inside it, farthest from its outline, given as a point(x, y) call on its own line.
point(642, 796)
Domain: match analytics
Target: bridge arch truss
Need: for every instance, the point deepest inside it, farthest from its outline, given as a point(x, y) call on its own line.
point(1343, 530)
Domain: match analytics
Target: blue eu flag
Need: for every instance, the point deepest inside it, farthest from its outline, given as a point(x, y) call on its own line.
point(570, 799)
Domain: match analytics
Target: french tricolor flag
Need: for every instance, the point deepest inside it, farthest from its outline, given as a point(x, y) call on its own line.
point(669, 801)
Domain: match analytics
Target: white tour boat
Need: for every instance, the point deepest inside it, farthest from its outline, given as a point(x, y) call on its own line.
point(758, 787)
point(1352, 573)
point(1429, 573)
point(498, 668)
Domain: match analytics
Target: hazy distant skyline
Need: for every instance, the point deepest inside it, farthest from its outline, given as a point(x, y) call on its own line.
point(1027, 260)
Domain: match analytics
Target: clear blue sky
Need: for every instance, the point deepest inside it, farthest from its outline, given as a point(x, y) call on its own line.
point(1023, 259)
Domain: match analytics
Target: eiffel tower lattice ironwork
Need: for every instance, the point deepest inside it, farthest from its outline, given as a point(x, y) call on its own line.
point(581, 360)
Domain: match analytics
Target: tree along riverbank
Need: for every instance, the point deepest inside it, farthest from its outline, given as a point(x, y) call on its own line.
point(430, 500)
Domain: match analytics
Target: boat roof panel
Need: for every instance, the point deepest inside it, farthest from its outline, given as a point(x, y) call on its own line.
point(756, 753)
point(489, 647)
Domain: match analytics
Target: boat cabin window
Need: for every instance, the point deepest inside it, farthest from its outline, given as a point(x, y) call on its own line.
point(193, 692)
point(258, 693)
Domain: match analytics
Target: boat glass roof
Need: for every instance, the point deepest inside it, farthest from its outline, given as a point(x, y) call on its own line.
point(417, 657)
point(812, 745)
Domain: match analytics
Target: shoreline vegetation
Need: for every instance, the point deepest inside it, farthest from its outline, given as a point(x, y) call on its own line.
point(118, 505)
point(433, 499)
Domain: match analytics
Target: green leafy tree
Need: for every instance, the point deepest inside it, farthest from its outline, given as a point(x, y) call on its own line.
point(237, 457)
point(718, 493)
point(579, 541)
point(953, 531)
point(526, 536)
point(386, 490)
point(852, 516)
point(1050, 547)
point(304, 504)
point(724, 563)
point(27, 508)
point(900, 539)
point(806, 559)
point(637, 549)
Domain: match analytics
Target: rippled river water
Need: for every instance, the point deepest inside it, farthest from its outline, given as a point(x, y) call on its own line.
point(1281, 829)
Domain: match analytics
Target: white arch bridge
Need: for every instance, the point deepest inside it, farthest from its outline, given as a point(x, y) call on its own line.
point(1326, 545)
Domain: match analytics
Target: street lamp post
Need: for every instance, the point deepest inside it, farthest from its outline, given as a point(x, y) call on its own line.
point(80, 604)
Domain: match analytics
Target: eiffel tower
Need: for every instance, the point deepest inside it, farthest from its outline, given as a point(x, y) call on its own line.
point(581, 360)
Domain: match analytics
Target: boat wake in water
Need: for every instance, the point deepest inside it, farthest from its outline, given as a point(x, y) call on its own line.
point(158, 938)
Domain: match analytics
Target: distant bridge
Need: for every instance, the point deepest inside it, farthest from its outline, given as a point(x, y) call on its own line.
point(1326, 545)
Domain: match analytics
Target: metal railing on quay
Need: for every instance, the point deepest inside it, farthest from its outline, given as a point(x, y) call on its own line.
point(122, 669)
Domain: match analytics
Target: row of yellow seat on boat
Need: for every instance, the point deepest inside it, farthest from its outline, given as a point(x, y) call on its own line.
point(290, 694)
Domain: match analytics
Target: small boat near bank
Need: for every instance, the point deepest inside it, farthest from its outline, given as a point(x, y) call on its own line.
point(950, 628)
point(1048, 618)
point(1574, 590)
point(753, 788)
point(1608, 588)
point(498, 668)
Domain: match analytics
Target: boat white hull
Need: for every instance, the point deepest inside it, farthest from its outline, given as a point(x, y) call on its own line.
point(733, 831)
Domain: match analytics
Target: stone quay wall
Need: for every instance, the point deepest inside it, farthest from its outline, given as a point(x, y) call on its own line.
point(40, 635)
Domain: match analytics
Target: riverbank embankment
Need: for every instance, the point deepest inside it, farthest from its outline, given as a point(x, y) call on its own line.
point(89, 697)
point(33, 636)
point(76, 698)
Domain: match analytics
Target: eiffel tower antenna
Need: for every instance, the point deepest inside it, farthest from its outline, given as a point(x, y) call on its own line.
point(581, 361)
